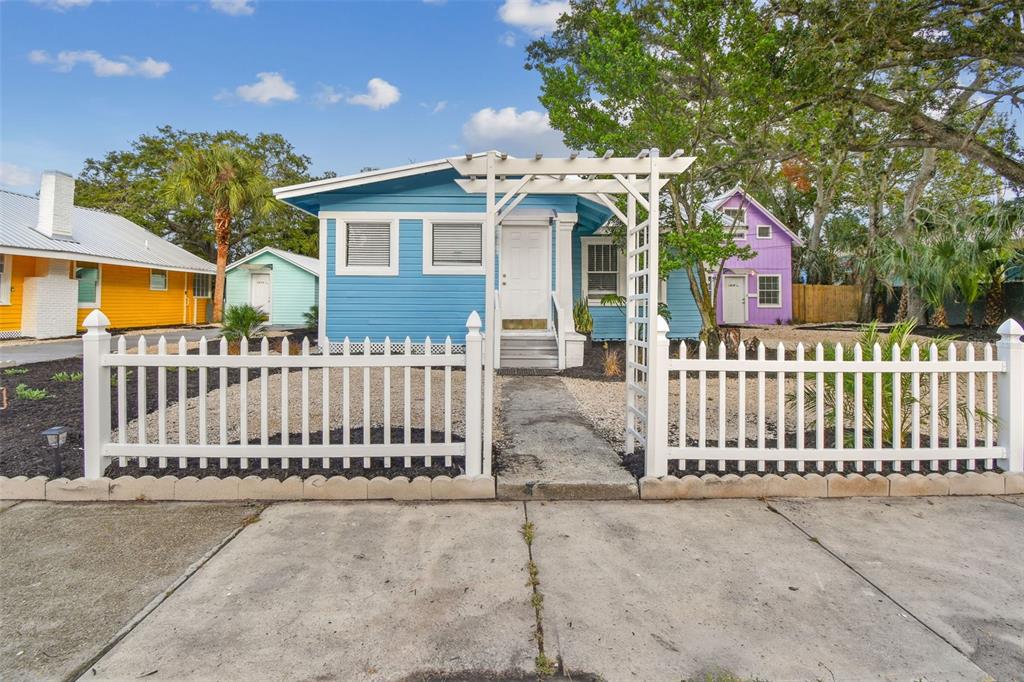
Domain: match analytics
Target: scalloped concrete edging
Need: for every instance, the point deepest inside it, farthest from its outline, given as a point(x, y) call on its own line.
point(230, 488)
point(710, 486)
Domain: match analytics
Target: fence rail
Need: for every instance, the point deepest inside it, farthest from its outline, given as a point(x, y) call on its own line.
point(846, 409)
point(374, 384)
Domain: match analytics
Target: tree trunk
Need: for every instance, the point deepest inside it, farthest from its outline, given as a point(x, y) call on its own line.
point(939, 318)
point(867, 298)
point(904, 307)
point(222, 232)
point(995, 304)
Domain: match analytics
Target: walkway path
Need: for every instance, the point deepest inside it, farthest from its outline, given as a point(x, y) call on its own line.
point(45, 351)
point(554, 452)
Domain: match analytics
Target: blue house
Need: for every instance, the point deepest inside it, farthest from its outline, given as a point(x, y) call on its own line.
point(401, 252)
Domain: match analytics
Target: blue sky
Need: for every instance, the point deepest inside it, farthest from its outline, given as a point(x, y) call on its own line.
point(350, 84)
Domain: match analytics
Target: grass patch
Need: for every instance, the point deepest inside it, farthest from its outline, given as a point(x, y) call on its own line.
point(23, 392)
point(15, 371)
point(67, 376)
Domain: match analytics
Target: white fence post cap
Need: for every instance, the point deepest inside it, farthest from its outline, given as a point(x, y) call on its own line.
point(96, 321)
point(473, 321)
point(1010, 328)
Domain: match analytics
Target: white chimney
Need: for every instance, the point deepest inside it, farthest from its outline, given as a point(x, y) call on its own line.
point(56, 198)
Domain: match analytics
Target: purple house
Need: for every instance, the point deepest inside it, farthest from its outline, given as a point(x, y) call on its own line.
point(759, 290)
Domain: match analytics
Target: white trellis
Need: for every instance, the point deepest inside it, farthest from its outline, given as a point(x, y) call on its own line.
point(506, 181)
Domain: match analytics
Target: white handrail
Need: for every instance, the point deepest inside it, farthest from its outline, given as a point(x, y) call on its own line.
point(559, 319)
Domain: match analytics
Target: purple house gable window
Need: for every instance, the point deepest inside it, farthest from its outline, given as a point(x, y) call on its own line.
point(759, 290)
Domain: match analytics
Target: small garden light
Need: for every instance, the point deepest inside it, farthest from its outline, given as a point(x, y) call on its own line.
point(55, 437)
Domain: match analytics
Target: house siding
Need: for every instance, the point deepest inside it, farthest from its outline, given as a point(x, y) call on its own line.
point(410, 303)
point(293, 290)
point(610, 321)
point(773, 257)
point(127, 300)
point(10, 315)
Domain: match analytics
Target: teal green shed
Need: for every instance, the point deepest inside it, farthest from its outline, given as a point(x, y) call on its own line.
point(281, 283)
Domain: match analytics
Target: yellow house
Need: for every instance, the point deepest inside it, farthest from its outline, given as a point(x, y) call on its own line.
point(59, 261)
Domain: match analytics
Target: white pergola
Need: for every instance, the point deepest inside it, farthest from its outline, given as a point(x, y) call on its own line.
point(506, 181)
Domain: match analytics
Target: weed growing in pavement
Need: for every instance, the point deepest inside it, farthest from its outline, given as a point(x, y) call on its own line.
point(15, 371)
point(25, 393)
point(67, 376)
point(527, 532)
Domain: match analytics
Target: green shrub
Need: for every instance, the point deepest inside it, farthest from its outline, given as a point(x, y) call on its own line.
point(67, 376)
point(581, 317)
point(243, 321)
point(312, 317)
point(15, 371)
point(25, 393)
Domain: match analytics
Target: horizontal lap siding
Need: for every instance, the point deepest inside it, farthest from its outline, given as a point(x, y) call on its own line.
point(773, 257)
point(610, 321)
point(410, 304)
point(125, 298)
point(293, 290)
point(10, 315)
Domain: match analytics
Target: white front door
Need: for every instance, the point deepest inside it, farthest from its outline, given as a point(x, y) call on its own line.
point(259, 291)
point(525, 267)
point(734, 299)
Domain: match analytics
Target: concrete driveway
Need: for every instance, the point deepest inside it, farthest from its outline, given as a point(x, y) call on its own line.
point(923, 589)
point(45, 351)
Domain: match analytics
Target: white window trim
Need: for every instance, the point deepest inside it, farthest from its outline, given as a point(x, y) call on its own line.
point(620, 281)
point(341, 268)
point(428, 247)
point(768, 305)
point(757, 231)
point(6, 279)
point(99, 283)
point(167, 279)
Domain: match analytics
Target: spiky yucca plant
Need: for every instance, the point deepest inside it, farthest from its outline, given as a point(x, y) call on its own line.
point(243, 321)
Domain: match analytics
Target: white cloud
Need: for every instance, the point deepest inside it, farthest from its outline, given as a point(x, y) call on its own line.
point(66, 60)
point(508, 39)
point(61, 5)
point(235, 8)
point(270, 86)
point(326, 95)
point(518, 133)
point(379, 95)
point(436, 107)
point(536, 17)
point(13, 175)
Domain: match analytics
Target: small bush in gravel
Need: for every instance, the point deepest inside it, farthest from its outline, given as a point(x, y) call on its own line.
point(612, 362)
point(243, 321)
point(15, 371)
point(23, 392)
point(67, 376)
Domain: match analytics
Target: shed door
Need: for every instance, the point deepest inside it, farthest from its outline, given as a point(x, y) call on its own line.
point(259, 291)
point(734, 299)
point(525, 282)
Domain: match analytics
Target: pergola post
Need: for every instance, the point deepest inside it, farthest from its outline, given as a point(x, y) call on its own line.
point(655, 428)
point(490, 245)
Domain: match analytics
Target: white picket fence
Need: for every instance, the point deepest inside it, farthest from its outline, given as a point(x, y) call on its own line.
point(107, 372)
point(916, 407)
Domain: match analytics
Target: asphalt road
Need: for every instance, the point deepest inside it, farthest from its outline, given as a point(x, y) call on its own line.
point(45, 351)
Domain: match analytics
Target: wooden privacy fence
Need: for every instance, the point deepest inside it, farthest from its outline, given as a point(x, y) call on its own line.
point(826, 302)
point(381, 430)
point(846, 409)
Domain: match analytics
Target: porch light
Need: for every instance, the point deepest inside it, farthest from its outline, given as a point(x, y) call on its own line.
point(55, 437)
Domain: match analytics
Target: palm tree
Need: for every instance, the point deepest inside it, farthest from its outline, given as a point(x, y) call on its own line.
point(229, 181)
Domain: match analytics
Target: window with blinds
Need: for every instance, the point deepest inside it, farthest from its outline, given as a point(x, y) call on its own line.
point(602, 270)
point(88, 276)
point(158, 280)
point(457, 244)
point(368, 245)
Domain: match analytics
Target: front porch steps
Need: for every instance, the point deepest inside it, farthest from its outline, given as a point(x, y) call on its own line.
point(529, 351)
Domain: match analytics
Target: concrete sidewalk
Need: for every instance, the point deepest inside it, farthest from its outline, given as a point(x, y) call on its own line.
point(916, 588)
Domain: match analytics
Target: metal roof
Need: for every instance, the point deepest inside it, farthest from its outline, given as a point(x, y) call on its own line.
point(310, 265)
point(95, 235)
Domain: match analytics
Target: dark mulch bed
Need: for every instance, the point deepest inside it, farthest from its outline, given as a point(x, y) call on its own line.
point(274, 470)
point(634, 463)
point(23, 451)
point(959, 333)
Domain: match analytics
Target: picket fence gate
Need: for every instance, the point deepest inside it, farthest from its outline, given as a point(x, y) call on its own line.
point(106, 370)
point(844, 412)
